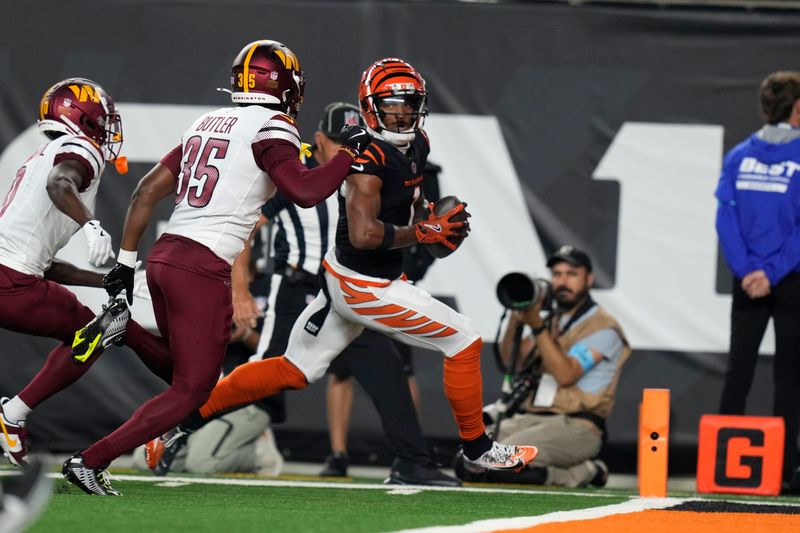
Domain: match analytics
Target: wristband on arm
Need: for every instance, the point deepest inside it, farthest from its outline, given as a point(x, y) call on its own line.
point(127, 258)
point(388, 236)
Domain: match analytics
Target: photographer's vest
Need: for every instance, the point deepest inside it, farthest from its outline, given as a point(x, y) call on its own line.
point(573, 400)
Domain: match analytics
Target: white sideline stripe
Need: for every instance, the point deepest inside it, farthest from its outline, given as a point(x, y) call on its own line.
point(329, 485)
point(176, 481)
point(632, 506)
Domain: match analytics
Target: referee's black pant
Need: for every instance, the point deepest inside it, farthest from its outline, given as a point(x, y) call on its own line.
point(748, 322)
point(374, 362)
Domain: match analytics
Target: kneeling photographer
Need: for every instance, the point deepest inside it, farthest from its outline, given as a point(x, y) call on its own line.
point(565, 374)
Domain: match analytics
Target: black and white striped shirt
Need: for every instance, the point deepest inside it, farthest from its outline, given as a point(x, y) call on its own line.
point(302, 235)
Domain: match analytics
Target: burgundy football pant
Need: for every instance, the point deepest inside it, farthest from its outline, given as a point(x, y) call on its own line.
point(193, 313)
point(40, 307)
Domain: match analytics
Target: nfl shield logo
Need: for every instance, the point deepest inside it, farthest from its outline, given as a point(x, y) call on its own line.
point(351, 118)
point(273, 75)
point(413, 167)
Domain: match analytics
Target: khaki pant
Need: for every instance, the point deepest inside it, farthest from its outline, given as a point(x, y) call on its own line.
point(240, 441)
point(566, 445)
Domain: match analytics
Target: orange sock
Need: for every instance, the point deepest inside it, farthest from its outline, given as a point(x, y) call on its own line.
point(251, 382)
point(463, 388)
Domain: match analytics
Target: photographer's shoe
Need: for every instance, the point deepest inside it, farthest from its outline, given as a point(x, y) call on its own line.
point(601, 477)
point(89, 480)
point(13, 440)
point(107, 327)
point(501, 457)
point(410, 473)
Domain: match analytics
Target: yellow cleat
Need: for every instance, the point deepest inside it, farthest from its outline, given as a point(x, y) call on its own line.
point(107, 327)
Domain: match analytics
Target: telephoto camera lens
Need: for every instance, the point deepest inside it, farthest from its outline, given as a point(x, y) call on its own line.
point(518, 291)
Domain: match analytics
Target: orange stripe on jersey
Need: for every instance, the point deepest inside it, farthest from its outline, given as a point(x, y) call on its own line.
point(353, 297)
point(354, 281)
point(428, 328)
point(446, 333)
point(403, 321)
point(383, 156)
point(390, 309)
point(369, 154)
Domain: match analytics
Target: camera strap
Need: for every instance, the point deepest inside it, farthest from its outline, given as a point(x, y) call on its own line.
point(582, 309)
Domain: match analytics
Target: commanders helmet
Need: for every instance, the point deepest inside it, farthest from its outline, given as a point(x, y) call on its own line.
point(388, 84)
point(78, 106)
point(267, 72)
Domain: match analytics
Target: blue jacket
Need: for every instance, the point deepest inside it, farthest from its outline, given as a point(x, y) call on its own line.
point(758, 217)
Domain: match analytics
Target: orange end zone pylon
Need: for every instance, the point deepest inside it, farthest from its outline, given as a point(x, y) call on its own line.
point(653, 443)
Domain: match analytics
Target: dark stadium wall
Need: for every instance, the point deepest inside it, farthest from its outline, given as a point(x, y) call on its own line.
point(600, 126)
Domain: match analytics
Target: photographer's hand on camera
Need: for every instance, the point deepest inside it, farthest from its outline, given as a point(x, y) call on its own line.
point(531, 316)
point(566, 370)
point(518, 319)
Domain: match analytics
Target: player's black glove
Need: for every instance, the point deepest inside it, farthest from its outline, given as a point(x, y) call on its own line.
point(118, 279)
point(355, 139)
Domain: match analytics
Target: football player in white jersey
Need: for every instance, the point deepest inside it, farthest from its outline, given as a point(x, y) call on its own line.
point(228, 164)
point(52, 198)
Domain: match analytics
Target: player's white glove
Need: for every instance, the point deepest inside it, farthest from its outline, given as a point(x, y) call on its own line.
point(99, 243)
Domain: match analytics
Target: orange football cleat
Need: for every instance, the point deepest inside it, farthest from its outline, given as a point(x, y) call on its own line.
point(153, 451)
point(502, 457)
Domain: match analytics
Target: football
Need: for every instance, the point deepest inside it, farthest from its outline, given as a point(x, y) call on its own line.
point(439, 250)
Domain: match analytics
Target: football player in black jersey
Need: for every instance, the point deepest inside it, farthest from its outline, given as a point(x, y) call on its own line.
point(382, 210)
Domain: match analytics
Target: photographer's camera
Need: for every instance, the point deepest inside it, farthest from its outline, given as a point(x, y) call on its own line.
point(519, 291)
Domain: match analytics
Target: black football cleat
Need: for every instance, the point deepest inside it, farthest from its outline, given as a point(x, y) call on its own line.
point(336, 465)
point(107, 327)
point(89, 480)
point(410, 473)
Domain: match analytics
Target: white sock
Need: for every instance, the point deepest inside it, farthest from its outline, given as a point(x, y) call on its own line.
point(16, 411)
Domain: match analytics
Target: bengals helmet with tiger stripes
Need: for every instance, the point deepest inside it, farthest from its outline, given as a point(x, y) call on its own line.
point(392, 81)
point(267, 72)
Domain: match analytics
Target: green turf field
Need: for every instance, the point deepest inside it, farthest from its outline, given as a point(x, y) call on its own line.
point(149, 506)
point(248, 503)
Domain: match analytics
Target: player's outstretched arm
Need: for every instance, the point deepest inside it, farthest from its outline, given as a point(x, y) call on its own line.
point(68, 274)
point(157, 184)
point(63, 185)
point(308, 187)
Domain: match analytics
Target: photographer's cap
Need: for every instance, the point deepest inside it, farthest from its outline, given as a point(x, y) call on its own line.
point(571, 255)
point(338, 115)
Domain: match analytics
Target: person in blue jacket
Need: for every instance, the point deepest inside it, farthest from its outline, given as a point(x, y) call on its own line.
point(758, 222)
